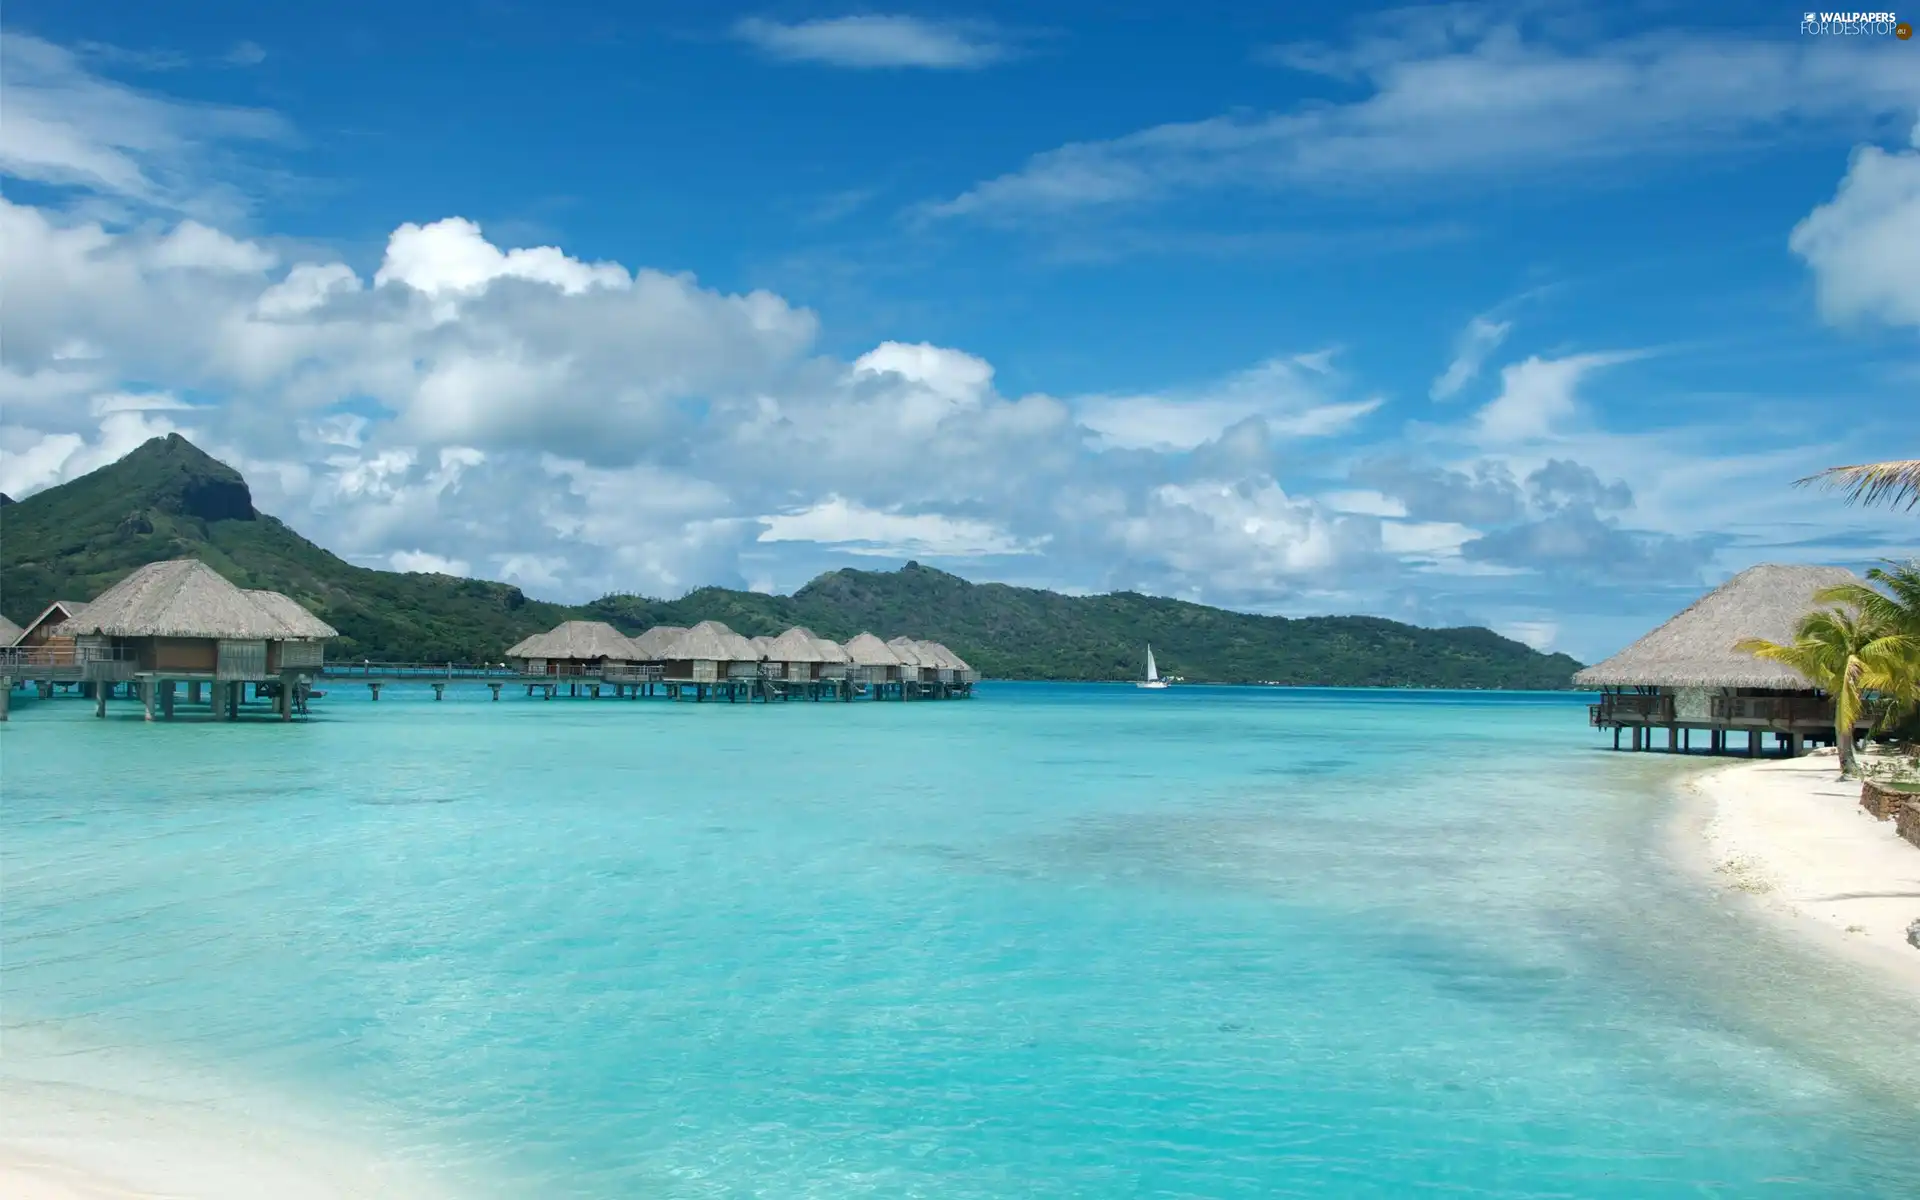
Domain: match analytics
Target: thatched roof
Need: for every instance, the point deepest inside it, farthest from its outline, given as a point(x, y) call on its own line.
point(830, 650)
point(1695, 649)
point(714, 642)
point(183, 598)
point(9, 632)
point(908, 652)
point(651, 646)
point(292, 613)
point(762, 645)
point(940, 656)
point(577, 641)
point(866, 650)
point(799, 645)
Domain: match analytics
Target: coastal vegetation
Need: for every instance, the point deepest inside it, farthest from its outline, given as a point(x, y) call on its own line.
point(168, 499)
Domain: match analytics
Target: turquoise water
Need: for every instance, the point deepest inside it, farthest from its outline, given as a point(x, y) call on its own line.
point(1056, 941)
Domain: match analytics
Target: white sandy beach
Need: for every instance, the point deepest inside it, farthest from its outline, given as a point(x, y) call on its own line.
point(154, 1131)
point(1791, 835)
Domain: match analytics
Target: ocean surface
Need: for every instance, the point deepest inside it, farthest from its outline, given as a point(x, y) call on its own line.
point(1058, 941)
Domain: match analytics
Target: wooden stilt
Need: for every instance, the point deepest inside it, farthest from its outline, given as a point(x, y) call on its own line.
point(193, 691)
point(495, 689)
point(374, 689)
point(166, 698)
point(439, 691)
point(146, 697)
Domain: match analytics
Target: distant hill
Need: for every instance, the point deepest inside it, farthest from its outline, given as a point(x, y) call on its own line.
point(168, 499)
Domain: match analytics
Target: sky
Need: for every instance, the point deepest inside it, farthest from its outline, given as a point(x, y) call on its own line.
point(1525, 316)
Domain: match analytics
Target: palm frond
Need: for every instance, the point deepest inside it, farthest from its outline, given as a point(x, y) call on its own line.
point(1896, 483)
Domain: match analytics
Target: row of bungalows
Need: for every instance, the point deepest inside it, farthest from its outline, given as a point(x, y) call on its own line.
point(178, 622)
point(712, 659)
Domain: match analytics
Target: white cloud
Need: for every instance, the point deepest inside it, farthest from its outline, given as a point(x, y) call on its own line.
point(1457, 100)
point(857, 530)
point(428, 564)
point(192, 246)
point(1424, 537)
point(1538, 634)
point(1864, 245)
point(452, 255)
point(1538, 396)
point(68, 128)
point(874, 41)
point(1290, 395)
point(1365, 502)
point(1481, 337)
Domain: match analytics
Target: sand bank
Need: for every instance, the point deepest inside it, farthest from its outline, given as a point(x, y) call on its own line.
point(1790, 835)
point(71, 1131)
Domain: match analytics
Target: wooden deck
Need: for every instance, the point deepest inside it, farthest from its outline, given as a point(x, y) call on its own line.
point(1795, 722)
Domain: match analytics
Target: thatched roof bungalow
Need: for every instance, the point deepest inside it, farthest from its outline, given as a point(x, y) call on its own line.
point(1687, 673)
point(709, 653)
point(871, 660)
point(963, 670)
point(804, 656)
point(914, 664)
point(182, 620)
point(572, 648)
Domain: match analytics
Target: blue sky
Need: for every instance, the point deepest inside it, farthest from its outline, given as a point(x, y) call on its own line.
point(1517, 315)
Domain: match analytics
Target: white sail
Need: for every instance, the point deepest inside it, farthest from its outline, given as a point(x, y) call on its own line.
point(1153, 672)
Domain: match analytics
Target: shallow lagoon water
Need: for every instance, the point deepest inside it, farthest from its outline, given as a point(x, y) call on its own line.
point(1055, 941)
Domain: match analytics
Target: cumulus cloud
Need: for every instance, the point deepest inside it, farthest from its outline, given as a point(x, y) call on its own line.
point(873, 41)
point(1454, 99)
point(1481, 338)
point(1863, 246)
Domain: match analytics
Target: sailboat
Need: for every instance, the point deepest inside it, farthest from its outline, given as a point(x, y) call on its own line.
point(1153, 679)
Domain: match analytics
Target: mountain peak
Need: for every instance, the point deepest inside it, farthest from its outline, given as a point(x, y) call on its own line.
point(173, 475)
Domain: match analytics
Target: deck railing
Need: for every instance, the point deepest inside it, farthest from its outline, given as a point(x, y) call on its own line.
point(1773, 710)
point(1631, 708)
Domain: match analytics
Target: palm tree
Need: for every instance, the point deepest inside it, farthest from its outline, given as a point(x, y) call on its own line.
point(1846, 654)
point(1897, 482)
point(1895, 605)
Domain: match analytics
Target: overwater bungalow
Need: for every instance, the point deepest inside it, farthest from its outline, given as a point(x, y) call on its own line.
point(711, 654)
point(908, 652)
point(1687, 676)
point(804, 659)
point(572, 648)
point(181, 622)
point(872, 662)
point(963, 670)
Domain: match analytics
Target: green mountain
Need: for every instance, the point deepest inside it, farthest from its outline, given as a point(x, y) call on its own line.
point(168, 499)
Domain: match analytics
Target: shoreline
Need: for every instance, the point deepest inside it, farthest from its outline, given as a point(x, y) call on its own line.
point(154, 1129)
point(1787, 840)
